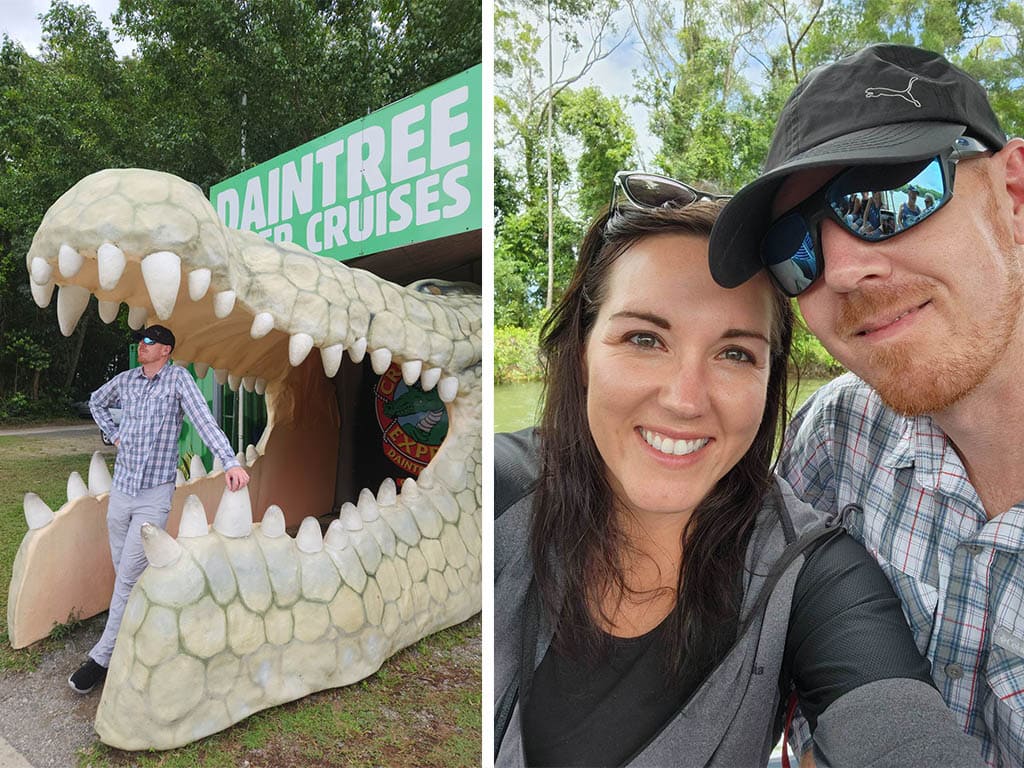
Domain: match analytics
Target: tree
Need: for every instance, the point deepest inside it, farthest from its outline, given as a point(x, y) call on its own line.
point(608, 143)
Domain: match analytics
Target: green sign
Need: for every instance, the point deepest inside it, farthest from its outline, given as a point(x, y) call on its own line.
point(404, 174)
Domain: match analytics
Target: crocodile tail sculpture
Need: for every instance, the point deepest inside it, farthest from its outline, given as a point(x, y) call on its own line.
point(235, 613)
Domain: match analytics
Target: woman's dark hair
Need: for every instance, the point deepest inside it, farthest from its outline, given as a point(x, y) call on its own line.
point(573, 521)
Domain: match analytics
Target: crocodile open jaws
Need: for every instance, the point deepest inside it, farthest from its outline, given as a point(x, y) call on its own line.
point(237, 616)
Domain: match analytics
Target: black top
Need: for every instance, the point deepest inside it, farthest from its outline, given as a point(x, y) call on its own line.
point(845, 630)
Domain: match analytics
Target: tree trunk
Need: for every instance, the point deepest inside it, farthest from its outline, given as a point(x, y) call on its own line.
point(76, 353)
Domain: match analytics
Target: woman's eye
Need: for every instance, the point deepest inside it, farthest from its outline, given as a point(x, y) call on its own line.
point(738, 355)
point(644, 340)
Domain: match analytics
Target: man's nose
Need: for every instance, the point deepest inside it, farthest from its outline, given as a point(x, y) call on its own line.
point(851, 262)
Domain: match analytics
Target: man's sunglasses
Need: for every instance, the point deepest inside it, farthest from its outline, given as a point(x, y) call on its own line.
point(148, 341)
point(649, 190)
point(871, 202)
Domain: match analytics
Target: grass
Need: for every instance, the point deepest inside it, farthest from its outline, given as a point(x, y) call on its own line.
point(422, 708)
point(28, 464)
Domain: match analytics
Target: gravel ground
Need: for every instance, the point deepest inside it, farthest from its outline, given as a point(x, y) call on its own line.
point(40, 716)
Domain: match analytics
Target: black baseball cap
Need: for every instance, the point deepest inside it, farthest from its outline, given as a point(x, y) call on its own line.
point(884, 103)
point(157, 333)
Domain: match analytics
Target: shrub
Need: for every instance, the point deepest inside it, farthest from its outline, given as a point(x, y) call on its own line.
point(810, 357)
point(515, 355)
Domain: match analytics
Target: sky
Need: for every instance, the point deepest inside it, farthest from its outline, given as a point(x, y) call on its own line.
point(20, 20)
point(614, 76)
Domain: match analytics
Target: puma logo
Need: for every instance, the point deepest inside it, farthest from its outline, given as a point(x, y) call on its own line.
point(905, 94)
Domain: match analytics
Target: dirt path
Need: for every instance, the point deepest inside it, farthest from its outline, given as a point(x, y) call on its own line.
point(40, 716)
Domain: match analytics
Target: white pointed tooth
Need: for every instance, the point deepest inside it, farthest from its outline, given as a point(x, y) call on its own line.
point(161, 272)
point(358, 350)
point(429, 378)
point(76, 487)
point(196, 468)
point(350, 517)
point(137, 317)
point(331, 358)
point(411, 371)
point(233, 382)
point(425, 479)
point(41, 270)
point(193, 519)
point(110, 265)
point(99, 475)
point(179, 478)
point(448, 388)
point(201, 369)
point(409, 489)
point(37, 513)
point(240, 458)
point(108, 311)
point(380, 360)
point(249, 383)
point(223, 303)
point(272, 525)
point(69, 261)
point(218, 465)
point(161, 550)
point(198, 283)
point(41, 294)
point(234, 514)
point(367, 505)
point(298, 347)
point(262, 324)
point(261, 386)
point(336, 537)
point(387, 494)
point(71, 303)
point(220, 375)
point(251, 454)
point(309, 539)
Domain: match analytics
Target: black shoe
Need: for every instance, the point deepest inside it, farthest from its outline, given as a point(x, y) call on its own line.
point(88, 676)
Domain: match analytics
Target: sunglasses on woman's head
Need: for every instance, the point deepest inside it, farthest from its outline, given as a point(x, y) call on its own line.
point(649, 190)
point(791, 249)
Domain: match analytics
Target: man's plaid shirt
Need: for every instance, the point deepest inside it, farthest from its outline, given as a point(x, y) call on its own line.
point(151, 416)
point(904, 493)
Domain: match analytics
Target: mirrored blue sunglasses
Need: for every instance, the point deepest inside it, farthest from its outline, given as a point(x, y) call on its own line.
point(871, 202)
point(148, 341)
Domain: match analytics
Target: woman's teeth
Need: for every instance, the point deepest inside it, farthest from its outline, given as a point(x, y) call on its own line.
point(672, 447)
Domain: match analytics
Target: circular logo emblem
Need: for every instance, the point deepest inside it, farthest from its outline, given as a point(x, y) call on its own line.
point(414, 423)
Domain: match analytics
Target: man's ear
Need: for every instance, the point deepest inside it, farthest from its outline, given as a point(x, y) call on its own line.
point(1012, 156)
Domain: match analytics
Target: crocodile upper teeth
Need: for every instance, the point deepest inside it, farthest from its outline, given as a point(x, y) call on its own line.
point(672, 447)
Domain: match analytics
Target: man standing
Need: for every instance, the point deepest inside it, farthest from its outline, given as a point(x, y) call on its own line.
point(919, 452)
point(153, 397)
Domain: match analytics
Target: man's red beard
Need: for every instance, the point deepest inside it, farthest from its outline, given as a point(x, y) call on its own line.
point(906, 380)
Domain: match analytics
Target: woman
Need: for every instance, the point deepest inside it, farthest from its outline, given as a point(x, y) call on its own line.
point(658, 594)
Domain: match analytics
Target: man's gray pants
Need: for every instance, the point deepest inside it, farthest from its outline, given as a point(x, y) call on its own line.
point(125, 517)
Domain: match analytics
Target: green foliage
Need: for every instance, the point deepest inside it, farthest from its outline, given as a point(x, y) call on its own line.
point(521, 266)
point(810, 358)
point(516, 356)
point(607, 140)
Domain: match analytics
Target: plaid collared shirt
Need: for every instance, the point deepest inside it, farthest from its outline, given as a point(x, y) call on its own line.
point(151, 415)
point(904, 493)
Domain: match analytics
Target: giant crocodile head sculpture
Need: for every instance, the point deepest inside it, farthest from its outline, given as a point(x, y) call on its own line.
point(234, 614)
